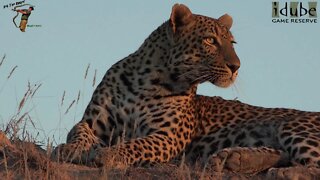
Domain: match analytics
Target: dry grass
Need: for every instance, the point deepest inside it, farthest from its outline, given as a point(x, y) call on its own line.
point(72, 103)
point(11, 72)
point(22, 157)
point(94, 78)
point(26, 160)
point(87, 70)
point(2, 60)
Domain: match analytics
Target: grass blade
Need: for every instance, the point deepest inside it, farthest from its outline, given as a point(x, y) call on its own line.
point(11, 72)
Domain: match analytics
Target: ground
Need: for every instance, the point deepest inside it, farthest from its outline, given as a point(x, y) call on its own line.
point(26, 160)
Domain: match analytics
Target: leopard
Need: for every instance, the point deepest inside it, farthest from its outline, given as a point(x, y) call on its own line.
point(146, 109)
point(271, 137)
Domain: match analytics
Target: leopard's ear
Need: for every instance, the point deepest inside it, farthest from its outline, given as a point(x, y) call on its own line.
point(180, 17)
point(226, 20)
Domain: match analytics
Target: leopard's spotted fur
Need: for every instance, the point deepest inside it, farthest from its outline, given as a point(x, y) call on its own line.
point(147, 103)
point(231, 123)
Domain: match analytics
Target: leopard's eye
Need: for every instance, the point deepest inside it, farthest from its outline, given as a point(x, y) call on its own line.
point(210, 40)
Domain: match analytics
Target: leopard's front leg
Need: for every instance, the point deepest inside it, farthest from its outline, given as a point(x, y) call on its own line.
point(76, 150)
point(155, 148)
point(82, 137)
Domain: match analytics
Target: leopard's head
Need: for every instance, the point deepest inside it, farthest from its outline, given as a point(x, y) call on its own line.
point(202, 48)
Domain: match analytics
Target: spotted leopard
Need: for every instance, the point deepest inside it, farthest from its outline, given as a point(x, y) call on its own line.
point(272, 136)
point(146, 110)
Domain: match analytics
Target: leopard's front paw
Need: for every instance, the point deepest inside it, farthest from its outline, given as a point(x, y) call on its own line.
point(107, 157)
point(72, 153)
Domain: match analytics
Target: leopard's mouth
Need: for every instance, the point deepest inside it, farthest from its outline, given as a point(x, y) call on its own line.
point(219, 76)
point(224, 80)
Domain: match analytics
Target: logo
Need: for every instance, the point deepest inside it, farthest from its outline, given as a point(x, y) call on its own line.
point(23, 11)
point(294, 12)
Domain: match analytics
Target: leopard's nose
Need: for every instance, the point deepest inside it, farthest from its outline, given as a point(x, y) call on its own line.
point(233, 67)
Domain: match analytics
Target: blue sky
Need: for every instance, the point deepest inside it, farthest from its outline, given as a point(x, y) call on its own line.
point(280, 62)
